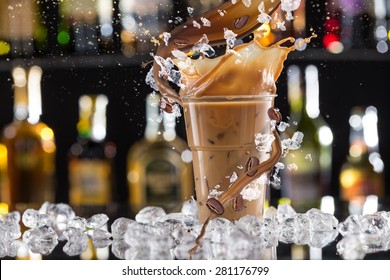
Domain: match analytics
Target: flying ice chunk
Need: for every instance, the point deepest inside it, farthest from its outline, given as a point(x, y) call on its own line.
point(196, 24)
point(289, 6)
point(150, 214)
point(230, 37)
point(190, 11)
point(150, 81)
point(283, 126)
point(263, 18)
point(205, 22)
point(293, 143)
point(247, 3)
point(166, 37)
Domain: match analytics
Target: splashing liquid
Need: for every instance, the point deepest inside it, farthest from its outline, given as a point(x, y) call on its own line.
point(245, 70)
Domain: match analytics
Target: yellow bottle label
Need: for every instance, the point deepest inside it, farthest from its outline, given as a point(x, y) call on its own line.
point(89, 182)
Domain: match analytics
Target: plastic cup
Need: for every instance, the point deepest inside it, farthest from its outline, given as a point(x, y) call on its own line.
point(221, 135)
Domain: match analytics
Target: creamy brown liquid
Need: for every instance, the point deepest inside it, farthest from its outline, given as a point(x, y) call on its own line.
point(221, 137)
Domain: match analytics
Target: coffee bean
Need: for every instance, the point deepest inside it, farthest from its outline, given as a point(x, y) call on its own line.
point(181, 42)
point(238, 203)
point(252, 162)
point(274, 114)
point(215, 206)
point(240, 22)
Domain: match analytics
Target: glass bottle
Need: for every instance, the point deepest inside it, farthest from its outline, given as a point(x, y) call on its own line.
point(81, 19)
point(159, 164)
point(307, 174)
point(29, 145)
point(142, 24)
point(362, 172)
point(5, 46)
point(91, 157)
point(21, 27)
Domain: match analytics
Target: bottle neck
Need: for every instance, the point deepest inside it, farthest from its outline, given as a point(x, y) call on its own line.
point(160, 125)
point(27, 94)
point(357, 145)
point(20, 94)
point(92, 118)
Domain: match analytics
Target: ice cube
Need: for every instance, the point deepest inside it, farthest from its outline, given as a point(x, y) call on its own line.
point(97, 221)
point(9, 230)
point(101, 238)
point(350, 248)
point(150, 214)
point(190, 207)
point(33, 219)
point(119, 248)
point(119, 227)
point(270, 232)
point(284, 212)
point(10, 248)
point(320, 221)
point(77, 241)
point(41, 240)
point(250, 225)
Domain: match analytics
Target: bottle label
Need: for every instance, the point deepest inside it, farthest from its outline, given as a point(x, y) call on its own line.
point(89, 182)
point(28, 154)
point(161, 182)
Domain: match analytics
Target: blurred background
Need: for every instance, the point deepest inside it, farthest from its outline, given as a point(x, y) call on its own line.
point(86, 62)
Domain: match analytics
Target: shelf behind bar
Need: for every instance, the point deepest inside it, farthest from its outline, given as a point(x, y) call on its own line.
point(117, 60)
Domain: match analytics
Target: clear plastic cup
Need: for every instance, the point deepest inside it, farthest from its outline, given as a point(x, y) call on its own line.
point(221, 135)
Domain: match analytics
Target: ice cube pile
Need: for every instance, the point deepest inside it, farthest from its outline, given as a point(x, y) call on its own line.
point(155, 234)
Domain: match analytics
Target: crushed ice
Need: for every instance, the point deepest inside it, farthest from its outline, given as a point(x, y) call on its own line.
point(155, 234)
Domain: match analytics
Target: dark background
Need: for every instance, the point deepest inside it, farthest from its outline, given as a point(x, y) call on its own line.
point(354, 77)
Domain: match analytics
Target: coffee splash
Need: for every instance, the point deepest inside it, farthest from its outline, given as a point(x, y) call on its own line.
point(242, 17)
point(259, 66)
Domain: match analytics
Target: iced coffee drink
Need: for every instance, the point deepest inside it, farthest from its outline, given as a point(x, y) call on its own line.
point(221, 134)
point(227, 102)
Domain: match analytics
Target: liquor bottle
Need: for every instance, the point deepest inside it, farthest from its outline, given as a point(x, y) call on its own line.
point(142, 24)
point(80, 18)
point(105, 9)
point(21, 27)
point(4, 188)
point(307, 173)
point(5, 46)
point(381, 12)
point(91, 157)
point(362, 172)
point(40, 34)
point(159, 164)
point(29, 145)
